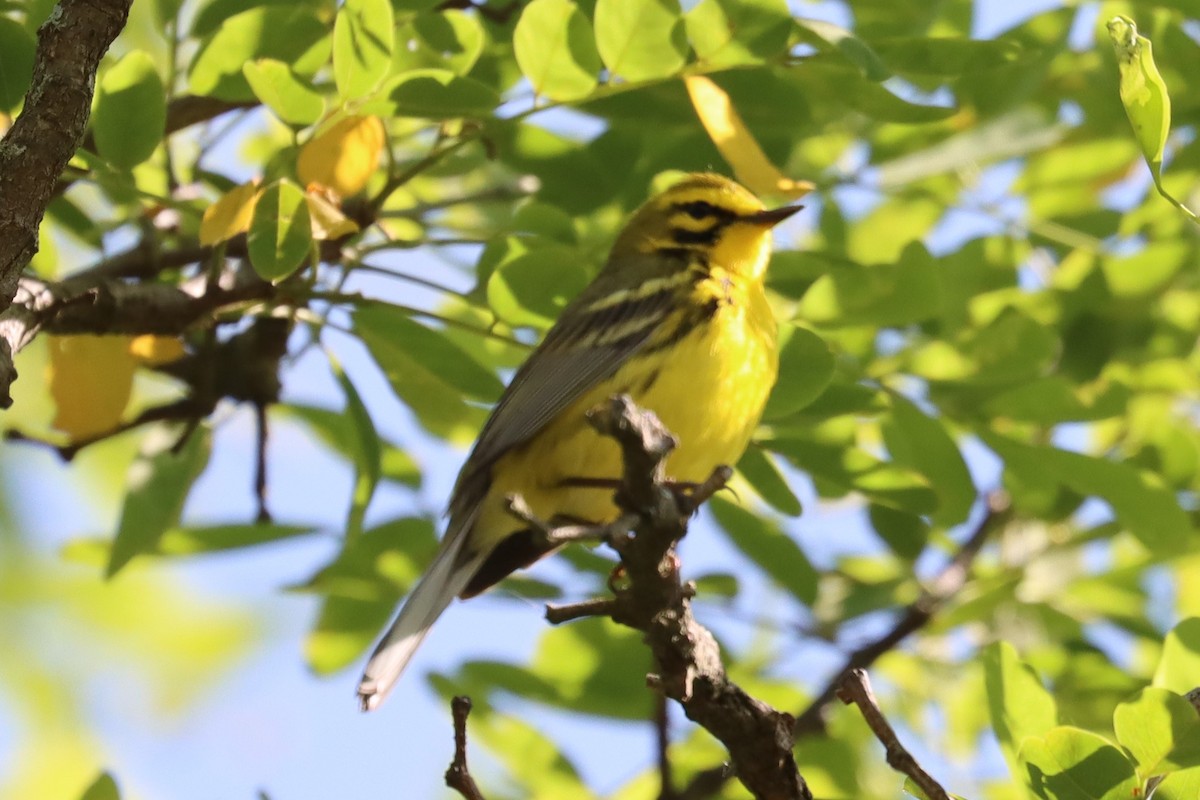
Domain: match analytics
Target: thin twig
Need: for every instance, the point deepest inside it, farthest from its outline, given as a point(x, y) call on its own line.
point(354, 298)
point(595, 607)
point(917, 615)
point(430, 159)
point(187, 411)
point(947, 583)
point(260, 471)
point(856, 689)
point(458, 777)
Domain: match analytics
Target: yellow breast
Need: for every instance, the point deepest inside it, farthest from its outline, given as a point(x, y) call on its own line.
point(709, 389)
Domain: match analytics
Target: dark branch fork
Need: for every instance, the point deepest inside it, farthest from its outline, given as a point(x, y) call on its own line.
point(458, 776)
point(653, 599)
point(945, 585)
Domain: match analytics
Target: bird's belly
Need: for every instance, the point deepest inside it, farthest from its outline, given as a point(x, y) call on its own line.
point(709, 390)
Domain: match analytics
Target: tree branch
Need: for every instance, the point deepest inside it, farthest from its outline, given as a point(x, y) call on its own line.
point(43, 138)
point(662, 735)
point(115, 307)
point(856, 690)
point(654, 600)
point(458, 777)
point(947, 583)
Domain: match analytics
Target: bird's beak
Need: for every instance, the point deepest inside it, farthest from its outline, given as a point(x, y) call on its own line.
point(771, 217)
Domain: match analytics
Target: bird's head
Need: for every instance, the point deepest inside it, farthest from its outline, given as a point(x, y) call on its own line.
point(707, 215)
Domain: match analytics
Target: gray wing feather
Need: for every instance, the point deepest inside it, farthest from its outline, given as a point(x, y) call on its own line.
point(556, 374)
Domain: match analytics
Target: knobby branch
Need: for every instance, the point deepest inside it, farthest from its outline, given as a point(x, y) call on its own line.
point(654, 599)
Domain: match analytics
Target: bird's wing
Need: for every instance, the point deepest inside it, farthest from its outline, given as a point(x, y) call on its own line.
point(587, 345)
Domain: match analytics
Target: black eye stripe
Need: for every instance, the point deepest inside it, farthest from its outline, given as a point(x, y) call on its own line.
point(700, 209)
point(685, 237)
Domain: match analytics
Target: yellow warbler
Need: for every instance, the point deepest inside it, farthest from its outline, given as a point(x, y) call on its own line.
point(677, 319)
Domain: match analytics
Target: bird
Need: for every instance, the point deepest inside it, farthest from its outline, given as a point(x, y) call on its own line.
point(677, 319)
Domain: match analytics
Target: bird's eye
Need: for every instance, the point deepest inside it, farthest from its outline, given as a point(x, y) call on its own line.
point(698, 209)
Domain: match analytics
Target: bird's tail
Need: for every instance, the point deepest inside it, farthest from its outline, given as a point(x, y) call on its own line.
point(445, 578)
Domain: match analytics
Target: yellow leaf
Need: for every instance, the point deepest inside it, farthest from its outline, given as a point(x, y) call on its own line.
point(90, 378)
point(328, 221)
point(154, 350)
point(230, 215)
point(343, 157)
point(735, 142)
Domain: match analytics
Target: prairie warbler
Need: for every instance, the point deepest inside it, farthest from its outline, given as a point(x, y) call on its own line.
point(678, 320)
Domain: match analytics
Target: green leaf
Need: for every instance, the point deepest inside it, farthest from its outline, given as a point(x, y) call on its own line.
point(1179, 665)
point(1073, 764)
point(760, 471)
point(827, 35)
point(335, 431)
point(1161, 730)
point(289, 33)
point(363, 38)
point(449, 39)
point(532, 288)
point(532, 757)
point(916, 791)
point(732, 32)
point(717, 585)
point(103, 788)
point(640, 40)
point(432, 349)
point(924, 444)
point(556, 50)
point(17, 47)
point(434, 94)
point(945, 57)
point(1143, 91)
point(361, 588)
point(769, 547)
point(1183, 785)
point(234, 536)
point(543, 219)
point(841, 469)
point(131, 111)
point(280, 237)
point(589, 667)
point(905, 533)
point(1012, 348)
point(158, 484)
point(806, 367)
point(288, 95)
point(429, 381)
point(365, 447)
point(1020, 706)
point(1147, 509)
point(211, 13)
point(191, 541)
point(1144, 95)
point(829, 81)
point(884, 295)
point(1150, 271)
point(1054, 399)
